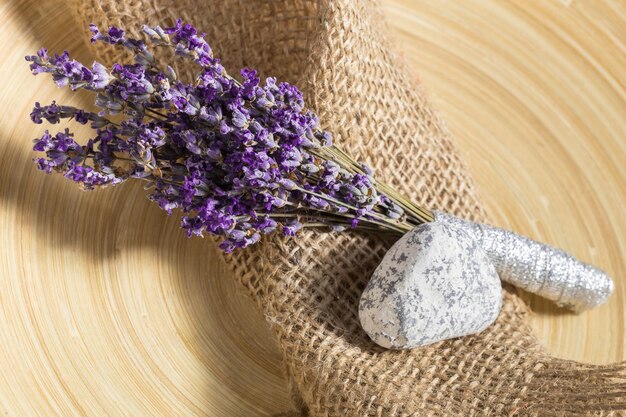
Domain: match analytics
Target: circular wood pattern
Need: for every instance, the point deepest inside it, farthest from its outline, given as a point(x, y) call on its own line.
point(107, 309)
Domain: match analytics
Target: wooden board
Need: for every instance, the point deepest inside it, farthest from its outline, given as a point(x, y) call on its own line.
point(106, 309)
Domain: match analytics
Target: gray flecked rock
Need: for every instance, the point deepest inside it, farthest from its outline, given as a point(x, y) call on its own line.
point(435, 283)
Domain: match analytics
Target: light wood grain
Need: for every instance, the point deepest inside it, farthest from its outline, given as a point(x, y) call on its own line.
point(106, 309)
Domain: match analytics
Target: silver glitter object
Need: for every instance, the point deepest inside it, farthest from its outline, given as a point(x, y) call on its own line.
point(536, 267)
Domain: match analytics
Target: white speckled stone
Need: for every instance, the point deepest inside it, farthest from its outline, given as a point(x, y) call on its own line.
point(435, 283)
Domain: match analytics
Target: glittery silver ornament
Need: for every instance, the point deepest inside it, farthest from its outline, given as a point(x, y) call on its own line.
point(536, 267)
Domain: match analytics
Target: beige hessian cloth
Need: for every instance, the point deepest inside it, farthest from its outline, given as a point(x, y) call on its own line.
point(309, 287)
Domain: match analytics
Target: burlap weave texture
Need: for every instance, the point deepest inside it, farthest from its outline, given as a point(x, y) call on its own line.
point(308, 288)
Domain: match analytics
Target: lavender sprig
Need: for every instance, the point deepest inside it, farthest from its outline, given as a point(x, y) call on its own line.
point(239, 158)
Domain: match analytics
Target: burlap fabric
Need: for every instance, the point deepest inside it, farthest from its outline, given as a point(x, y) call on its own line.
point(309, 287)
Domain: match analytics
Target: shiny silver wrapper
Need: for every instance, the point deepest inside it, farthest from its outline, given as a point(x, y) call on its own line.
point(538, 268)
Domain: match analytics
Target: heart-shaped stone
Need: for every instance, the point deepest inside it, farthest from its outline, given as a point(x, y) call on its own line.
point(435, 283)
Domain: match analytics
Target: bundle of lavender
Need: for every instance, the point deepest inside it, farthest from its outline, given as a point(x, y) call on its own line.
point(240, 159)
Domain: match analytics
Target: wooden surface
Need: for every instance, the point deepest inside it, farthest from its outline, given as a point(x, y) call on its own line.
point(106, 309)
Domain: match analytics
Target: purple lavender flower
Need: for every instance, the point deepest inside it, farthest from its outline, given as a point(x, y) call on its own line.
point(239, 159)
point(54, 113)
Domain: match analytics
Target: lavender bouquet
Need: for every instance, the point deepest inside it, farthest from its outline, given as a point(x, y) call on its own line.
point(241, 158)
point(238, 158)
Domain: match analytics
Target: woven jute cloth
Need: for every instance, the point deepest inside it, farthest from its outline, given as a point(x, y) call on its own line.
point(308, 287)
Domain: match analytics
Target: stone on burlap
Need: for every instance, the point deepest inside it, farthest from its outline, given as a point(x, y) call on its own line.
point(435, 283)
point(309, 287)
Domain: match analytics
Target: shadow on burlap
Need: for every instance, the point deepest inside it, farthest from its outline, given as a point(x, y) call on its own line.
point(308, 288)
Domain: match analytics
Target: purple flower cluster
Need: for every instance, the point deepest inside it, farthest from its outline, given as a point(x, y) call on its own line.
point(240, 158)
point(69, 72)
